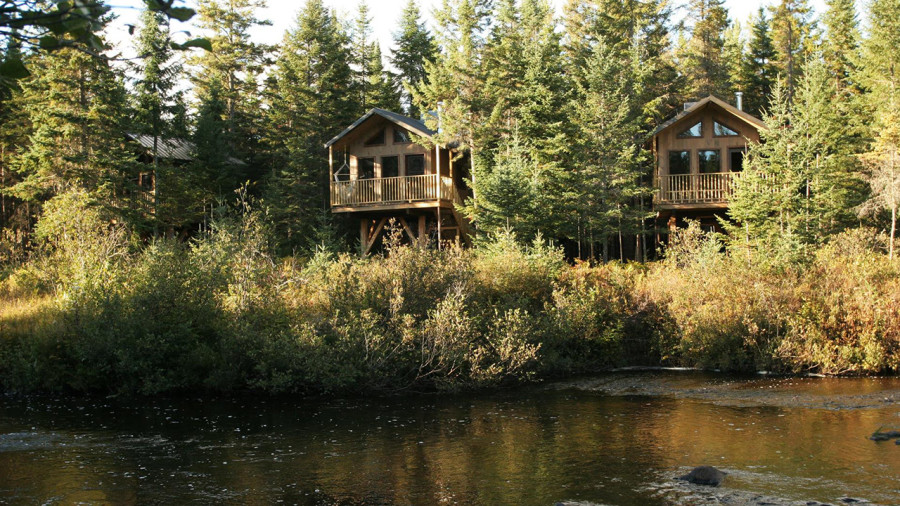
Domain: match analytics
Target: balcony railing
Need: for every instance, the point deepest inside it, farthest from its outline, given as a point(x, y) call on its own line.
point(714, 188)
point(391, 190)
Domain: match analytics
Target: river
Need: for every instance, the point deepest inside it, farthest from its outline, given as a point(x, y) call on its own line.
point(618, 439)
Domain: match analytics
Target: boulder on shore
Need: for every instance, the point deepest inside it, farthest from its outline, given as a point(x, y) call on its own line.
point(704, 475)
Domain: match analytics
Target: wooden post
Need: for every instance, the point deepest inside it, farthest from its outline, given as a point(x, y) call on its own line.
point(439, 226)
point(422, 230)
point(364, 235)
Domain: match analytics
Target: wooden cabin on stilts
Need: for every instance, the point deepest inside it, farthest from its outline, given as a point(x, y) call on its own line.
point(382, 170)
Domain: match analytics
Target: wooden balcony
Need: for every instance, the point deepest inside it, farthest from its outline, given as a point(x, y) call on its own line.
point(393, 193)
point(686, 191)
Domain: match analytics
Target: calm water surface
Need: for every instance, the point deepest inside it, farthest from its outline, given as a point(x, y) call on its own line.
point(614, 439)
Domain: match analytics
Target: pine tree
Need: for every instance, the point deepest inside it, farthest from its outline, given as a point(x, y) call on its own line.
point(235, 63)
point(311, 97)
point(734, 53)
point(794, 38)
point(414, 47)
point(759, 70)
point(704, 64)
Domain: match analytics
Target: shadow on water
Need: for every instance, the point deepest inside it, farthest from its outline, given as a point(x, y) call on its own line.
point(613, 439)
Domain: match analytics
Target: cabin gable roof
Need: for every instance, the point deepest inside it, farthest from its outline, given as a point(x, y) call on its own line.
point(413, 125)
point(698, 106)
point(176, 149)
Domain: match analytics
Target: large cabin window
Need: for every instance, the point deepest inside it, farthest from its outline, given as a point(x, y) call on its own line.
point(720, 130)
point(390, 166)
point(401, 136)
point(736, 159)
point(375, 140)
point(366, 168)
point(679, 162)
point(696, 130)
point(415, 165)
point(709, 160)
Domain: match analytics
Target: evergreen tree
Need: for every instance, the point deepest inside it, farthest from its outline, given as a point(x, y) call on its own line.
point(158, 104)
point(704, 64)
point(456, 81)
point(794, 38)
point(415, 47)
point(76, 107)
point(375, 85)
point(235, 65)
point(734, 53)
point(880, 76)
point(840, 46)
point(312, 97)
point(607, 159)
point(759, 72)
point(798, 187)
point(213, 168)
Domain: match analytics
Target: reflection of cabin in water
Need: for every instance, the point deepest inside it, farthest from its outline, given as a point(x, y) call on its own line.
point(379, 172)
point(698, 155)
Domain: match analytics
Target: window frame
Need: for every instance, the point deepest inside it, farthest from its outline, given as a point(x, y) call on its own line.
point(689, 158)
point(396, 166)
point(718, 153)
point(406, 164)
point(401, 132)
point(681, 134)
point(731, 160)
point(724, 125)
point(359, 167)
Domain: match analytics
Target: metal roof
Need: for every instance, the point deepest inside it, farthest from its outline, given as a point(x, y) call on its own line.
point(174, 149)
point(746, 117)
point(413, 125)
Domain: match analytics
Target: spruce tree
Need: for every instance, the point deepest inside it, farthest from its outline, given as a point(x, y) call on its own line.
point(703, 61)
point(311, 97)
point(157, 105)
point(376, 87)
point(840, 45)
point(759, 70)
point(794, 38)
point(77, 112)
point(414, 47)
point(235, 64)
point(799, 186)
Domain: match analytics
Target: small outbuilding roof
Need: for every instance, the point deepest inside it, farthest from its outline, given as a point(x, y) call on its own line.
point(174, 149)
point(413, 125)
point(734, 111)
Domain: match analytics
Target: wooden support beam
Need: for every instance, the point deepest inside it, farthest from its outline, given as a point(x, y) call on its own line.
point(422, 230)
point(409, 232)
point(439, 228)
point(364, 234)
point(374, 235)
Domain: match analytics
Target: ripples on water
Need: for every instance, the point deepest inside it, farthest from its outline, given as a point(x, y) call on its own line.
point(614, 439)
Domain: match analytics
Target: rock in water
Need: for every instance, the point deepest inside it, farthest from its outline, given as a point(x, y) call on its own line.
point(704, 475)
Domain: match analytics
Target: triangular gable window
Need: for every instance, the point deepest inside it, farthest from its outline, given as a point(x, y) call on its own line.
point(695, 131)
point(720, 130)
point(376, 139)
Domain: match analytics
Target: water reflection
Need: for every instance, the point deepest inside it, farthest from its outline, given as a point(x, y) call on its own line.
point(530, 446)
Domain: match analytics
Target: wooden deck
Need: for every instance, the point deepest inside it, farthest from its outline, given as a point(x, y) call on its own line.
point(696, 191)
point(390, 193)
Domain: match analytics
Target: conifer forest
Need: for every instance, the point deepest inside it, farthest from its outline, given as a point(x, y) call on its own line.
point(165, 221)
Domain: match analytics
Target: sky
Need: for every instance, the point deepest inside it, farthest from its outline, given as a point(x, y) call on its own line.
point(385, 15)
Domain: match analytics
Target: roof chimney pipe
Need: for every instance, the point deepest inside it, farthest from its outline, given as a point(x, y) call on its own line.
point(739, 100)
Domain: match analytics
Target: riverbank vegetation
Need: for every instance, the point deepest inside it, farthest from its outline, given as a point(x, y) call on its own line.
point(222, 313)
